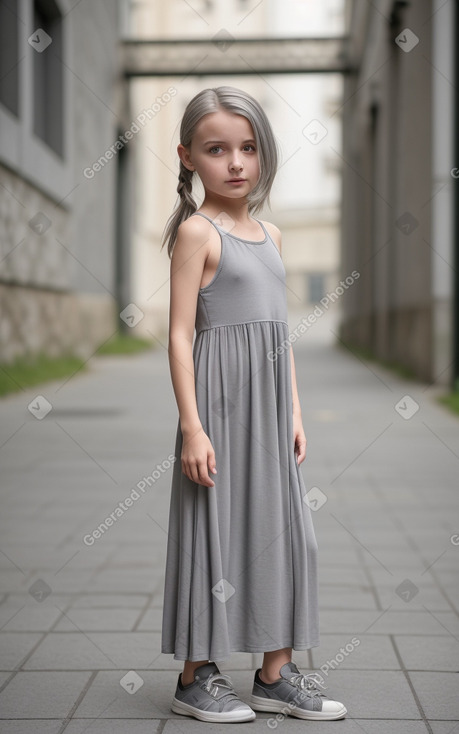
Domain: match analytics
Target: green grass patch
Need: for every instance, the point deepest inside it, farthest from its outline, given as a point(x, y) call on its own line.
point(366, 354)
point(25, 372)
point(124, 344)
point(451, 400)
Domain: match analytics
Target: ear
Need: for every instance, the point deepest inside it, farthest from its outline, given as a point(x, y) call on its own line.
point(184, 155)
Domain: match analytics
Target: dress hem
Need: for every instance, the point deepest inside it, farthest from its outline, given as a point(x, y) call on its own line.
point(204, 656)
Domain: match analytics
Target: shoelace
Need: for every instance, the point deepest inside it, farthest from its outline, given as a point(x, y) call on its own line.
point(308, 682)
point(224, 681)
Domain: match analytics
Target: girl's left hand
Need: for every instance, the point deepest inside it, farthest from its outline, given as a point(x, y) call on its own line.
point(299, 439)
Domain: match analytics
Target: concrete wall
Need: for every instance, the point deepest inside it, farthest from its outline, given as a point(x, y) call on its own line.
point(388, 186)
point(57, 272)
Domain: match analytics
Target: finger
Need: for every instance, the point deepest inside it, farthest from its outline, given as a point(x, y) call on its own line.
point(204, 475)
point(191, 471)
point(211, 462)
point(301, 451)
point(187, 470)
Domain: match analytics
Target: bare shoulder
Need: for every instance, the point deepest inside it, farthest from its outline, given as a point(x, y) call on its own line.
point(193, 234)
point(275, 233)
point(194, 229)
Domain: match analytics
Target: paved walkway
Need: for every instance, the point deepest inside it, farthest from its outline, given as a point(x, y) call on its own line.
point(80, 615)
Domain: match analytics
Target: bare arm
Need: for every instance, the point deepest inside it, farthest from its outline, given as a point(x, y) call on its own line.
point(187, 264)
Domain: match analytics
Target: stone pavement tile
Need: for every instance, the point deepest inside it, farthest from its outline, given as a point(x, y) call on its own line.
point(93, 650)
point(449, 559)
point(453, 595)
point(29, 555)
point(384, 622)
point(98, 620)
point(158, 597)
point(26, 527)
point(292, 725)
point(66, 581)
point(27, 618)
point(14, 646)
point(24, 598)
point(328, 556)
point(373, 694)
point(152, 620)
point(93, 600)
point(342, 575)
point(416, 573)
point(139, 554)
point(101, 651)
point(398, 546)
point(118, 580)
point(392, 557)
point(427, 595)
point(429, 653)
point(41, 695)
point(438, 694)
point(13, 580)
point(444, 727)
point(372, 652)
point(367, 530)
point(113, 726)
point(385, 571)
point(448, 622)
point(107, 699)
point(346, 596)
point(35, 726)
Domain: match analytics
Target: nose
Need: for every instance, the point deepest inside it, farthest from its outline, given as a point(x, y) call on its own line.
point(236, 162)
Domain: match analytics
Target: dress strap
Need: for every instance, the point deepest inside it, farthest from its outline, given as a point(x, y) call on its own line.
point(267, 235)
point(263, 228)
point(208, 218)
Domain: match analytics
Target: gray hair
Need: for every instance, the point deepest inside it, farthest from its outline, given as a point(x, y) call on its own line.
point(240, 103)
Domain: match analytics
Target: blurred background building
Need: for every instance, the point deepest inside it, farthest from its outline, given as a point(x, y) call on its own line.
point(58, 228)
point(91, 97)
point(305, 202)
point(399, 209)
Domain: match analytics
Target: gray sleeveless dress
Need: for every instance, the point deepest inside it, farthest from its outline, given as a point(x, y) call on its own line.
point(241, 565)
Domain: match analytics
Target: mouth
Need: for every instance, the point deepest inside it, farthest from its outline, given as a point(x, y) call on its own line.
point(236, 180)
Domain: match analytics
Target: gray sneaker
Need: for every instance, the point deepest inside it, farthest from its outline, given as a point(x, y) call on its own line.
point(210, 697)
point(296, 694)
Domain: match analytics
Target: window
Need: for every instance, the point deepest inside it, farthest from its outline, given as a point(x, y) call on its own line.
point(48, 76)
point(9, 55)
point(316, 287)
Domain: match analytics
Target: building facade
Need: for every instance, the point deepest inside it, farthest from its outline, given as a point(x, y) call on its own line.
point(60, 276)
point(398, 213)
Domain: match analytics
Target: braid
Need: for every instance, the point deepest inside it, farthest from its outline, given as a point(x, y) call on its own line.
point(184, 187)
point(185, 208)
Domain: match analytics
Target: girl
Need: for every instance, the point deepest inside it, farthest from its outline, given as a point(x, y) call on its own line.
point(241, 553)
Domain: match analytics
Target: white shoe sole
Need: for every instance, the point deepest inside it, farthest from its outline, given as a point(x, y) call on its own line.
point(186, 709)
point(266, 704)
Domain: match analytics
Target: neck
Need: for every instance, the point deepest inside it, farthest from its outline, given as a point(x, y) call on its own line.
point(237, 209)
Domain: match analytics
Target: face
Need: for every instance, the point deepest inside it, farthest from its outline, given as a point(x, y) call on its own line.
point(223, 152)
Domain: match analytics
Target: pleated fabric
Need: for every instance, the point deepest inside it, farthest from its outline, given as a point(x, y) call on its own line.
point(241, 564)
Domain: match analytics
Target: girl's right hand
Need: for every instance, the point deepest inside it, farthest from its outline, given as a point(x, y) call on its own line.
point(198, 457)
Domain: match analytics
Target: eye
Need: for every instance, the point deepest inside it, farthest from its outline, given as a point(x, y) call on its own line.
point(215, 148)
point(250, 146)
